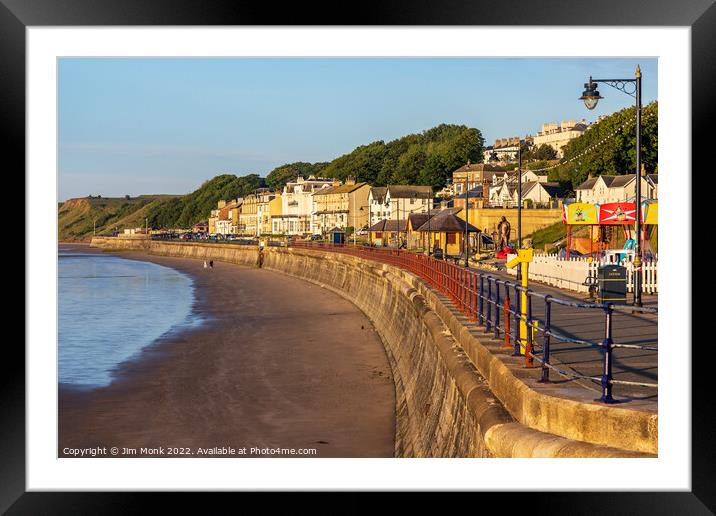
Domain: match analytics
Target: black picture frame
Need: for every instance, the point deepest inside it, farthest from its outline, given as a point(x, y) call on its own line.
point(700, 15)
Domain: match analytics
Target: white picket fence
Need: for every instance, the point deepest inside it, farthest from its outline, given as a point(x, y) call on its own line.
point(572, 274)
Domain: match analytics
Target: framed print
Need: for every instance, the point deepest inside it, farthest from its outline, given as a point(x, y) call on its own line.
point(287, 253)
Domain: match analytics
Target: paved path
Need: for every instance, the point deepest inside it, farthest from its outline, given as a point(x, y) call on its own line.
point(279, 362)
point(588, 324)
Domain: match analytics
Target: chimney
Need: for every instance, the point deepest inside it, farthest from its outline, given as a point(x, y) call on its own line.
point(350, 180)
point(468, 162)
point(643, 170)
point(590, 176)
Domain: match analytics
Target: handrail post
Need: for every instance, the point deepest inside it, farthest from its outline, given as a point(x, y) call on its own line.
point(497, 309)
point(488, 323)
point(607, 347)
point(507, 316)
point(480, 304)
point(529, 348)
point(473, 295)
point(545, 351)
point(516, 340)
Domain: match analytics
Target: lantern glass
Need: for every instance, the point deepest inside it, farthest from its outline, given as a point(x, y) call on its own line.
point(591, 102)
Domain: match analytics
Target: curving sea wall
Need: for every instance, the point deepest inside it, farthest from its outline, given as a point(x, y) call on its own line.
point(445, 407)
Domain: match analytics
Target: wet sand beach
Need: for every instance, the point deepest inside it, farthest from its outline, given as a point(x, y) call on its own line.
point(277, 363)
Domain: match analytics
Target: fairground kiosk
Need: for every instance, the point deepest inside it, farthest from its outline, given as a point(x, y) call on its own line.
point(602, 220)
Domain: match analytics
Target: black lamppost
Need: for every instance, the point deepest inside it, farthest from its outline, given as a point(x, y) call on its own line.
point(631, 87)
point(519, 196)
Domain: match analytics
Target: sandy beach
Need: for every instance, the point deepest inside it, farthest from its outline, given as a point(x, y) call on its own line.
point(277, 363)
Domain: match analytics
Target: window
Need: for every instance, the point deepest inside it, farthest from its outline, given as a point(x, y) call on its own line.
point(451, 238)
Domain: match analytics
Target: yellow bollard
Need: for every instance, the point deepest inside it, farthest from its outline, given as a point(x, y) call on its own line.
point(524, 257)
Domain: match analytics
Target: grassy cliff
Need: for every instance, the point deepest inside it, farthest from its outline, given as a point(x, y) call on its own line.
point(78, 218)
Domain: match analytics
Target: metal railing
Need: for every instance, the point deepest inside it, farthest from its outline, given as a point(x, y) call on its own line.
point(494, 303)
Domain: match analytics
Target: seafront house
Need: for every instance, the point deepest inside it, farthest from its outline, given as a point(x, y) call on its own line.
point(266, 202)
point(396, 202)
point(214, 217)
point(607, 188)
point(340, 206)
point(478, 174)
point(297, 205)
point(475, 196)
point(223, 223)
point(511, 177)
point(235, 215)
point(247, 225)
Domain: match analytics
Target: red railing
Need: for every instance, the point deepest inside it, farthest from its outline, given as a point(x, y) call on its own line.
point(457, 282)
point(472, 292)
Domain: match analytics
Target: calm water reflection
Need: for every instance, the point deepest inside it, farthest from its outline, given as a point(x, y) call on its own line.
point(110, 308)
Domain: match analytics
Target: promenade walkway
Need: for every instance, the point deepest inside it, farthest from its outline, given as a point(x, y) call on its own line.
point(458, 289)
point(628, 365)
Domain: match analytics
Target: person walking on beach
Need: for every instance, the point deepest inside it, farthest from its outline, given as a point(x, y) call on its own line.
point(205, 265)
point(211, 264)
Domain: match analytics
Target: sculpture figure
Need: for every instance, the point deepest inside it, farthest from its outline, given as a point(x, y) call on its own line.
point(503, 233)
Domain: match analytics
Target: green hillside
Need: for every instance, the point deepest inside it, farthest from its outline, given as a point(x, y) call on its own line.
point(427, 158)
point(77, 218)
point(191, 208)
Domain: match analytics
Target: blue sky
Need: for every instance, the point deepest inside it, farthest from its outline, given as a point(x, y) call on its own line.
point(143, 125)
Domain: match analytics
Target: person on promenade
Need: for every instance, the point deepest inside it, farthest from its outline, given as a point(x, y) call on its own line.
point(205, 265)
point(211, 264)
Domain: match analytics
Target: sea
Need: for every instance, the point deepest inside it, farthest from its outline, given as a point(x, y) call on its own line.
point(110, 308)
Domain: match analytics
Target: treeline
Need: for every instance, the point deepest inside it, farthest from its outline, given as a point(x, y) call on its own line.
point(189, 209)
point(278, 177)
point(427, 158)
point(616, 155)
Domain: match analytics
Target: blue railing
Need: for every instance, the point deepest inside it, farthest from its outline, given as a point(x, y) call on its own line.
point(487, 300)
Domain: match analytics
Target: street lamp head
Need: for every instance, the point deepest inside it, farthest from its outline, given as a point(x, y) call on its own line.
point(590, 95)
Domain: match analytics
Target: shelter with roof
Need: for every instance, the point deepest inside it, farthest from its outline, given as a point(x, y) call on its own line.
point(445, 229)
point(388, 233)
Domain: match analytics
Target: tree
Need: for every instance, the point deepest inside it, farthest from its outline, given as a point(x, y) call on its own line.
point(609, 147)
point(278, 177)
point(434, 172)
point(544, 152)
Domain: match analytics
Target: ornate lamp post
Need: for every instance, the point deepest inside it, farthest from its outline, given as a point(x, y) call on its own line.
point(631, 87)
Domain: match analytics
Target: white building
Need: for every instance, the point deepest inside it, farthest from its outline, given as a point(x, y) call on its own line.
point(503, 191)
point(397, 202)
point(605, 189)
point(559, 135)
point(297, 205)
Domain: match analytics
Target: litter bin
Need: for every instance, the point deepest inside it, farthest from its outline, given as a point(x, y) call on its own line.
point(612, 280)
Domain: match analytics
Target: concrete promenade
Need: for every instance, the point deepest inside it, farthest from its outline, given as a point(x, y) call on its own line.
point(588, 324)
